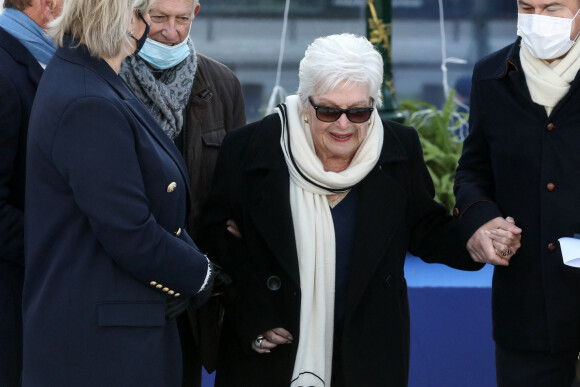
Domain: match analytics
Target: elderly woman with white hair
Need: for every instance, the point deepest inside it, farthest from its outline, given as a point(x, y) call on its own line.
point(107, 260)
point(312, 212)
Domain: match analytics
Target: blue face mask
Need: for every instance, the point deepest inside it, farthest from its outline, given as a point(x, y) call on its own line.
point(161, 56)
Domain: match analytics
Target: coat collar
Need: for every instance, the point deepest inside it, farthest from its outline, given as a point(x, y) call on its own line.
point(79, 54)
point(511, 62)
point(499, 64)
point(509, 67)
point(201, 94)
point(21, 55)
point(74, 52)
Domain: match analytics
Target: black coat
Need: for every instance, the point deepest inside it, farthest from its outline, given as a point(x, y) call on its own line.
point(518, 161)
point(19, 77)
point(396, 213)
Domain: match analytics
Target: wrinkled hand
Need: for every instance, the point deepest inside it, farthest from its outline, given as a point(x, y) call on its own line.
point(271, 339)
point(232, 227)
point(495, 242)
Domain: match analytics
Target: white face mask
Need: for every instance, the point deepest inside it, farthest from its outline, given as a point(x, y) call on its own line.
point(547, 37)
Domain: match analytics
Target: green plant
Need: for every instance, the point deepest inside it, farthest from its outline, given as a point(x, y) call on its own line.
point(441, 148)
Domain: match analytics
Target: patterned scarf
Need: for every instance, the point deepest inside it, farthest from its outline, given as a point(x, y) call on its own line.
point(23, 28)
point(165, 96)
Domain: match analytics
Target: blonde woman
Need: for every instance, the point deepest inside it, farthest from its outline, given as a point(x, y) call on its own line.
point(107, 259)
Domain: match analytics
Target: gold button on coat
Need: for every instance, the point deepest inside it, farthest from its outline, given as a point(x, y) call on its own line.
point(152, 283)
point(165, 289)
point(178, 232)
point(159, 286)
point(177, 295)
point(171, 187)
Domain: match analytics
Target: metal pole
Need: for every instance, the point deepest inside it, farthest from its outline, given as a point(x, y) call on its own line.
point(378, 14)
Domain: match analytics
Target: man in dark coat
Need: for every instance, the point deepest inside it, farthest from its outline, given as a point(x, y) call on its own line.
point(521, 159)
point(24, 51)
point(197, 101)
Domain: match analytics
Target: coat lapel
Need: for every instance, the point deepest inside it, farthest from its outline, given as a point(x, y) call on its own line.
point(269, 199)
point(382, 206)
point(140, 112)
point(79, 54)
point(21, 55)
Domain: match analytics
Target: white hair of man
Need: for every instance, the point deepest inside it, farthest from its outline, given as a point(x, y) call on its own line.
point(100, 25)
point(340, 60)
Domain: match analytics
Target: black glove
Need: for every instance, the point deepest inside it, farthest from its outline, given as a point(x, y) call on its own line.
point(200, 298)
point(175, 306)
point(221, 280)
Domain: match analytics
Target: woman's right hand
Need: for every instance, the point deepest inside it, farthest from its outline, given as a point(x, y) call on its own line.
point(271, 339)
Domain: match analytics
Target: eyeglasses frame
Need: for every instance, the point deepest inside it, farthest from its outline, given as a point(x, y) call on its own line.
point(343, 111)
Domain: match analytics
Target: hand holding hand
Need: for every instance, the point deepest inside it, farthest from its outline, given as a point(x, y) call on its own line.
point(505, 243)
point(495, 242)
point(271, 339)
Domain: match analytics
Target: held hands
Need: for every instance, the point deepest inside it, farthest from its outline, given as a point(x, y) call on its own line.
point(271, 339)
point(495, 242)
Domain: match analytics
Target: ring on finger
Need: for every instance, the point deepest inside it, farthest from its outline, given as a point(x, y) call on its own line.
point(507, 252)
point(259, 340)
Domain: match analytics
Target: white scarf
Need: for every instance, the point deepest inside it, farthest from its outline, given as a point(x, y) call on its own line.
point(314, 233)
point(549, 82)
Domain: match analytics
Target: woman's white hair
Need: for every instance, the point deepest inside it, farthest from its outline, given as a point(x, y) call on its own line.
point(340, 59)
point(101, 25)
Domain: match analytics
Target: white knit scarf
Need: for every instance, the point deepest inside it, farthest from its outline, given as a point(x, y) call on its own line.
point(314, 234)
point(549, 82)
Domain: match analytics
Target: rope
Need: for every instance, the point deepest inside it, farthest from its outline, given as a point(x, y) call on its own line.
point(279, 90)
point(444, 58)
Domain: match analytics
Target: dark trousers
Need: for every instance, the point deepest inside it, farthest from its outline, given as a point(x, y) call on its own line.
point(11, 279)
point(515, 368)
point(190, 353)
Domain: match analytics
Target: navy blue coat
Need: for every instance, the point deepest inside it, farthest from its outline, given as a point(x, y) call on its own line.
point(518, 161)
point(105, 245)
point(19, 77)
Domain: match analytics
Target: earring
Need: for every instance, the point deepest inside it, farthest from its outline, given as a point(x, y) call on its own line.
point(305, 119)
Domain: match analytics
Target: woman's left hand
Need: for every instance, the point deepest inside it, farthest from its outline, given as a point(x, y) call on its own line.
point(271, 339)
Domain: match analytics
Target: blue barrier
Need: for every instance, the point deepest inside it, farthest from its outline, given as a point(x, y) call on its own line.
point(451, 342)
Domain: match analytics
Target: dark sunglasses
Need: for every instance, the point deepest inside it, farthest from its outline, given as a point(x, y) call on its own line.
point(328, 114)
